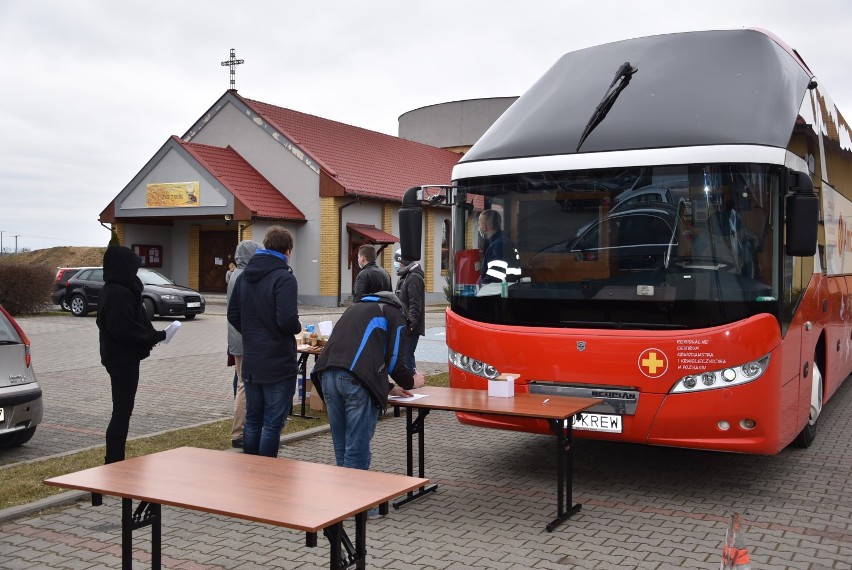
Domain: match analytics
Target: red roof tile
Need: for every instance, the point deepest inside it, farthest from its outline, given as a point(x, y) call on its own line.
point(366, 163)
point(243, 181)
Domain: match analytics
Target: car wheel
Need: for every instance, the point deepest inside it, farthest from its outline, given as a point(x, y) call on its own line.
point(78, 306)
point(17, 438)
point(63, 304)
point(149, 307)
point(189, 317)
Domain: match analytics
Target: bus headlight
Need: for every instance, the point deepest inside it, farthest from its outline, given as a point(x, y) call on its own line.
point(468, 364)
point(724, 378)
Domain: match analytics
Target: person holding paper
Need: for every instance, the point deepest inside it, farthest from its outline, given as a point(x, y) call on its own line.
point(126, 337)
point(263, 309)
point(351, 374)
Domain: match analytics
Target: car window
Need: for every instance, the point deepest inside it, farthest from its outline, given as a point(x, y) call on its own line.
point(149, 277)
point(96, 275)
point(7, 331)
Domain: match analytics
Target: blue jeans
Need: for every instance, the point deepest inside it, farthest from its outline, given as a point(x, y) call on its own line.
point(352, 416)
point(411, 346)
point(267, 406)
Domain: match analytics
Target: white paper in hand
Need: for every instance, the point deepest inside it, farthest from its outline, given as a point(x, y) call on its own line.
point(171, 330)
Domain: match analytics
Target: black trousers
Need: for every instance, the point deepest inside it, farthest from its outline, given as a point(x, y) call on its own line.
point(125, 381)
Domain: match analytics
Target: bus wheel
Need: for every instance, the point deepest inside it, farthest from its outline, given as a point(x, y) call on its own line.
point(808, 434)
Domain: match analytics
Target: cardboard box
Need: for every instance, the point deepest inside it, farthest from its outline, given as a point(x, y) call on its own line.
point(314, 401)
point(503, 386)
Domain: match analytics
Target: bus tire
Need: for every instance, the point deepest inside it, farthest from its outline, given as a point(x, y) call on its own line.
point(808, 434)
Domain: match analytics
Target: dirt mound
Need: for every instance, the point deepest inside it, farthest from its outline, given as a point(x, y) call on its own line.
point(54, 257)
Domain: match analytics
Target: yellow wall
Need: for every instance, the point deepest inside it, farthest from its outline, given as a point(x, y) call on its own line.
point(119, 232)
point(386, 260)
point(193, 252)
point(246, 230)
point(329, 246)
point(429, 258)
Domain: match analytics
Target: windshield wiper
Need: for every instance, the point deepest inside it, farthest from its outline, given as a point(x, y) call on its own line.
point(622, 78)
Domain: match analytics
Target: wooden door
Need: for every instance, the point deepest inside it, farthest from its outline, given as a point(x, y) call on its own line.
point(216, 251)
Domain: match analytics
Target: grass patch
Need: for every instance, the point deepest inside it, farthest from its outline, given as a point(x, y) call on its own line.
point(22, 484)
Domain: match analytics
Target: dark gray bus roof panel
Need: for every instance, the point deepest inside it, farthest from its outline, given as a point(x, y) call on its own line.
point(693, 88)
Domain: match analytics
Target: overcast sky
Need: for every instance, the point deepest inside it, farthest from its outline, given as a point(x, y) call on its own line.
point(92, 89)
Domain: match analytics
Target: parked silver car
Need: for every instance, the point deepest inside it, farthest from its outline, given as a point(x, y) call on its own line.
point(20, 394)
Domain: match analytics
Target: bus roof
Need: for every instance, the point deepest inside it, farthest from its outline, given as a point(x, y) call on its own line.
point(727, 87)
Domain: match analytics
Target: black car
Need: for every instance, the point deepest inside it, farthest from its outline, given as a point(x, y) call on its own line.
point(160, 295)
point(63, 274)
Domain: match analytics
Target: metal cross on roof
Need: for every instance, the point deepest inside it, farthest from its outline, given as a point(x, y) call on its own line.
point(233, 63)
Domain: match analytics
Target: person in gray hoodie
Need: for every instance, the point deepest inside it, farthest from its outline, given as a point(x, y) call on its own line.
point(245, 249)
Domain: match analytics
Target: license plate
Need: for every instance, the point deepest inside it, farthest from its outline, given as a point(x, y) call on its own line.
point(610, 423)
point(194, 304)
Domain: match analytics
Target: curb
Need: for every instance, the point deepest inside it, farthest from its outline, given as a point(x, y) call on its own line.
point(69, 497)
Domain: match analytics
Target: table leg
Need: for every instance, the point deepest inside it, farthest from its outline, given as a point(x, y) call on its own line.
point(564, 473)
point(146, 514)
point(334, 533)
point(303, 370)
point(343, 554)
point(415, 426)
point(126, 534)
point(361, 539)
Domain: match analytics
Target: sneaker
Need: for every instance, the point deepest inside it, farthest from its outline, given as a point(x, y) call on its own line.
point(237, 443)
point(373, 513)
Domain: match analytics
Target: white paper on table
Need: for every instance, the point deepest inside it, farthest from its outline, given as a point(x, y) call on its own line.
point(325, 327)
point(406, 398)
point(171, 330)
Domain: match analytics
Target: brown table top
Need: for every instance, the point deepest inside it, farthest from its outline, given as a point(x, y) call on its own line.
point(308, 349)
point(295, 494)
point(521, 404)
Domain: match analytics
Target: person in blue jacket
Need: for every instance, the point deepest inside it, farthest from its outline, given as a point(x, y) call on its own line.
point(263, 309)
point(351, 374)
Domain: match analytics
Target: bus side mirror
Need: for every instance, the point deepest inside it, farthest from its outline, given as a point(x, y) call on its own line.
point(802, 212)
point(410, 225)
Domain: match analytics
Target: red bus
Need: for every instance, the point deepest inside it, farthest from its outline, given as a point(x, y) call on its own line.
point(671, 236)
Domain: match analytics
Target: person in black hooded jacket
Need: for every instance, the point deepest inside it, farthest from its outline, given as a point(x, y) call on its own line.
point(126, 338)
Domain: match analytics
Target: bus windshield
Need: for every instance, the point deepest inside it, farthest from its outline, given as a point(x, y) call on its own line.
point(651, 247)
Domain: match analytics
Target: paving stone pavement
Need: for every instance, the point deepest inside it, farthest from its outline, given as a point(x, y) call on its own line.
point(643, 507)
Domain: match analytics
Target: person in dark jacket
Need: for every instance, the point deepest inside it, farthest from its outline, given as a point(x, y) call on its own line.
point(263, 309)
point(500, 260)
point(351, 374)
point(371, 278)
point(411, 290)
point(126, 337)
